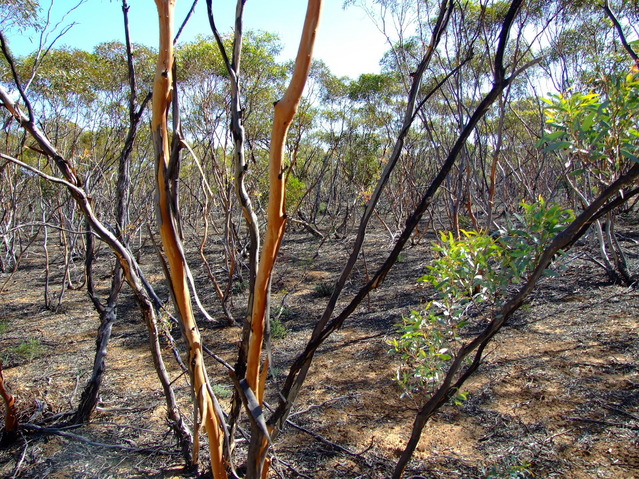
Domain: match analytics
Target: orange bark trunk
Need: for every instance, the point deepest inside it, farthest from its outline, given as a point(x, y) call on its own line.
point(167, 218)
point(10, 413)
point(285, 110)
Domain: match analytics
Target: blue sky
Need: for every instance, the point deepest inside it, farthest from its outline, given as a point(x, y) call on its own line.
point(348, 41)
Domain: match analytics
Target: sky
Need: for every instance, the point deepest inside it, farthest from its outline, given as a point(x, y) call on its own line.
point(348, 41)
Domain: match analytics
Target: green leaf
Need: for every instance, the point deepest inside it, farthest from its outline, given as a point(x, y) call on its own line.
point(560, 145)
point(553, 136)
point(588, 121)
point(577, 172)
point(629, 155)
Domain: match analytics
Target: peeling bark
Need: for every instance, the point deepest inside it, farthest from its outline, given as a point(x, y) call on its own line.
point(168, 222)
point(285, 110)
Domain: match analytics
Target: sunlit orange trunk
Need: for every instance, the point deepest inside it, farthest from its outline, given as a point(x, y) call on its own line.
point(167, 219)
point(285, 110)
point(10, 413)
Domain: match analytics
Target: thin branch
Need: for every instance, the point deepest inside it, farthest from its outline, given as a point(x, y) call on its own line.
point(620, 32)
point(48, 225)
point(14, 74)
point(232, 72)
point(326, 441)
point(76, 437)
point(186, 20)
point(52, 179)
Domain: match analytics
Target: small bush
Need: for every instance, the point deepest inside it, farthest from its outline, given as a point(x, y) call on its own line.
point(278, 330)
point(471, 274)
point(424, 347)
point(323, 289)
point(28, 350)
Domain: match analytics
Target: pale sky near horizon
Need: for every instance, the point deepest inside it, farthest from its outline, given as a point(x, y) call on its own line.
point(348, 41)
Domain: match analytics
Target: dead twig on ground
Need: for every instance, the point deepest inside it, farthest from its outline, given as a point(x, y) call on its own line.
point(327, 442)
point(621, 411)
point(20, 460)
point(77, 437)
point(290, 467)
point(603, 423)
point(325, 403)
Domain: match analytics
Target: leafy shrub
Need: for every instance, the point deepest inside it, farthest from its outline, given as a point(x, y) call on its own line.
point(470, 275)
point(424, 348)
point(278, 330)
point(597, 131)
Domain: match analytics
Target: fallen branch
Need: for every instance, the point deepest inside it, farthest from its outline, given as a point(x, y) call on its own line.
point(290, 467)
point(307, 226)
point(77, 437)
point(326, 441)
point(20, 460)
point(603, 423)
point(621, 411)
point(325, 403)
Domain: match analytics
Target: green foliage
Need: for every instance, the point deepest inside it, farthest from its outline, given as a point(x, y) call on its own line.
point(19, 14)
point(199, 59)
point(540, 222)
point(28, 350)
point(600, 130)
point(278, 330)
point(424, 348)
point(3, 326)
point(362, 160)
point(470, 274)
point(295, 190)
point(370, 86)
point(323, 289)
point(466, 267)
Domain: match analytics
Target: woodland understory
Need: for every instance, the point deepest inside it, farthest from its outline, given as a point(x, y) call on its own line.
point(215, 264)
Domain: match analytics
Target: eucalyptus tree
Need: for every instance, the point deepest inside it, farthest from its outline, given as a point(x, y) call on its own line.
point(19, 14)
point(107, 310)
point(584, 57)
point(64, 132)
point(206, 108)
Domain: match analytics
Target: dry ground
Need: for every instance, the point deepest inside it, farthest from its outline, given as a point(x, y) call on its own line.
point(557, 395)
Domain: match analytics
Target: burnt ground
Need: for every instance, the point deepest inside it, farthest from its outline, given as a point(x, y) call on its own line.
point(557, 394)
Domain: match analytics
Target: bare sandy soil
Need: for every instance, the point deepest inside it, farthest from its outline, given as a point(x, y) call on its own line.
point(557, 395)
